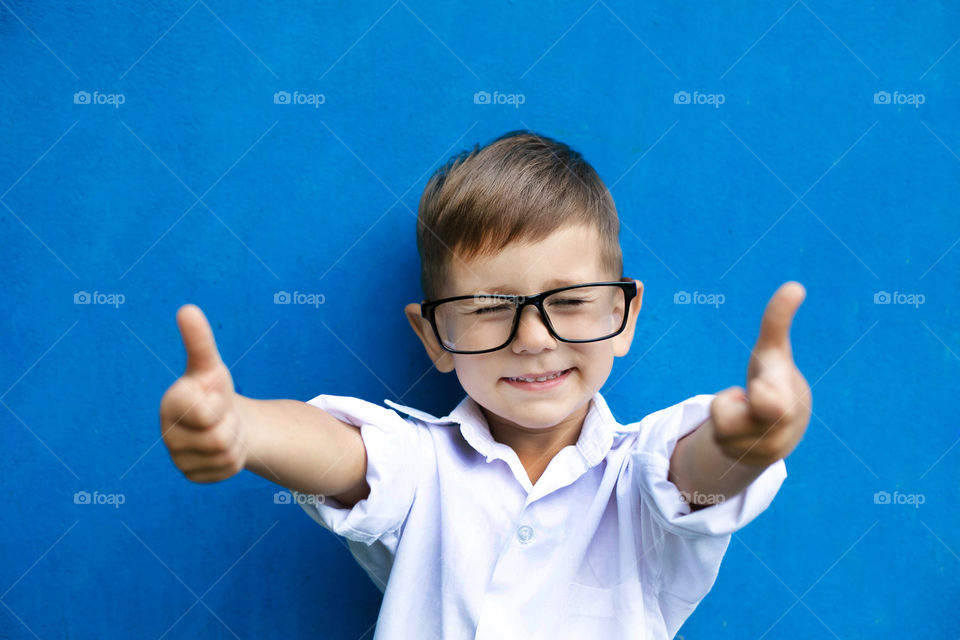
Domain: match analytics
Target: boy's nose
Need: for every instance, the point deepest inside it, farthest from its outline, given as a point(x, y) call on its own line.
point(532, 333)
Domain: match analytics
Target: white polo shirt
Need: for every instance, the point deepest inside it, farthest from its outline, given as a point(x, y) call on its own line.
point(464, 546)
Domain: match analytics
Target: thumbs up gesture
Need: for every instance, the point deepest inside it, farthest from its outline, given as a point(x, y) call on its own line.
point(199, 413)
point(764, 422)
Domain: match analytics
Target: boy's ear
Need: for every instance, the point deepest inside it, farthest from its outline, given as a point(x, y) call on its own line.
point(442, 360)
point(622, 342)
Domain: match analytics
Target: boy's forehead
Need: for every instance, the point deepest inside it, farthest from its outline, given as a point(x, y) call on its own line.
point(567, 256)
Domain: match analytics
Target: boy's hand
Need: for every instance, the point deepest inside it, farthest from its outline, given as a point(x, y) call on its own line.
point(765, 423)
point(199, 413)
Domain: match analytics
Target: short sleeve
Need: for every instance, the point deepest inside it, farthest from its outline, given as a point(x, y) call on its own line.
point(393, 451)
point(684, 548)
point(657, 438)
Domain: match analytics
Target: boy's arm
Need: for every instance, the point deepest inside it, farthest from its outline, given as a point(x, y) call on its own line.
point(213, 433)
point(304, 448)
point(747, 431)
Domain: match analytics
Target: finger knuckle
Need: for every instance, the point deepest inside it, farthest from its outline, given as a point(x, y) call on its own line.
point(176, 437)
point(782, 441)
point(768, 447)
point(167, 404)
point(202, 417)
point(202, 477)
point(724, 432)
point(226, 460)
point(175, 445)
point(218, 441)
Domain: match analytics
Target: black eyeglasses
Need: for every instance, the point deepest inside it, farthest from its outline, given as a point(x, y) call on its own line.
point(482, 322)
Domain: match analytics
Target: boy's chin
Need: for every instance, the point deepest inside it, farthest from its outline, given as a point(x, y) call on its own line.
point(535, 413)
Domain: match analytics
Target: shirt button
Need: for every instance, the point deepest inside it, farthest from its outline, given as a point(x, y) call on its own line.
point(525, 534)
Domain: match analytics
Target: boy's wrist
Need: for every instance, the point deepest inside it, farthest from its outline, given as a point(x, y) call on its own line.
point(699, 465)
point(248, 431)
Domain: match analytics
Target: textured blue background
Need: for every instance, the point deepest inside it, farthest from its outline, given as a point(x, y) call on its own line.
point(199, 188)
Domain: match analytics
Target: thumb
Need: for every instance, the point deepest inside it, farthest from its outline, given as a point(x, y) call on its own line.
point(778, 316)
point(202, 354)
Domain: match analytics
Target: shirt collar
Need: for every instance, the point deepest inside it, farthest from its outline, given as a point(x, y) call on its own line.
point(594, 443)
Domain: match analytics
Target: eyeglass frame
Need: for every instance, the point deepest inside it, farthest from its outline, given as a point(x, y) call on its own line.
point(627, 285)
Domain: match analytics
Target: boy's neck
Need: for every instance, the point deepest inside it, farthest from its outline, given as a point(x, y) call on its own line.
point(536, 447)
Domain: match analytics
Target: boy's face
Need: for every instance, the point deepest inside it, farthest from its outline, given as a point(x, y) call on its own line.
point(571, 255)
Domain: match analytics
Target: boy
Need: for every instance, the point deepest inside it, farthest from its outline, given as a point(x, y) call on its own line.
point(528, 511)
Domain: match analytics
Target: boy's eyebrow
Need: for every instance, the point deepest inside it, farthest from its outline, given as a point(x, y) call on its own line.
point(555, 283)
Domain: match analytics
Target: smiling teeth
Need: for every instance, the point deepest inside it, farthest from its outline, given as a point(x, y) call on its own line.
point(542, 379)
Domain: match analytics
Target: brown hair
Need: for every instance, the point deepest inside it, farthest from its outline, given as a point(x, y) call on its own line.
point(521, 187)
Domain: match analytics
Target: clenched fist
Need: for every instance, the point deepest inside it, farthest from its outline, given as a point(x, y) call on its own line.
point(199, 413)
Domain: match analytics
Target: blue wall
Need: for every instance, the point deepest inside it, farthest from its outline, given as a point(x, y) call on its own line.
point(199, 188)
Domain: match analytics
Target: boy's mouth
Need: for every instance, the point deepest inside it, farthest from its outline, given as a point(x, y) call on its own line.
point(543, 380)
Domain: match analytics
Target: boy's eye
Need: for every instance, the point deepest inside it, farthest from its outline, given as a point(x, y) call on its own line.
point(567, 302)
point(486, 310)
